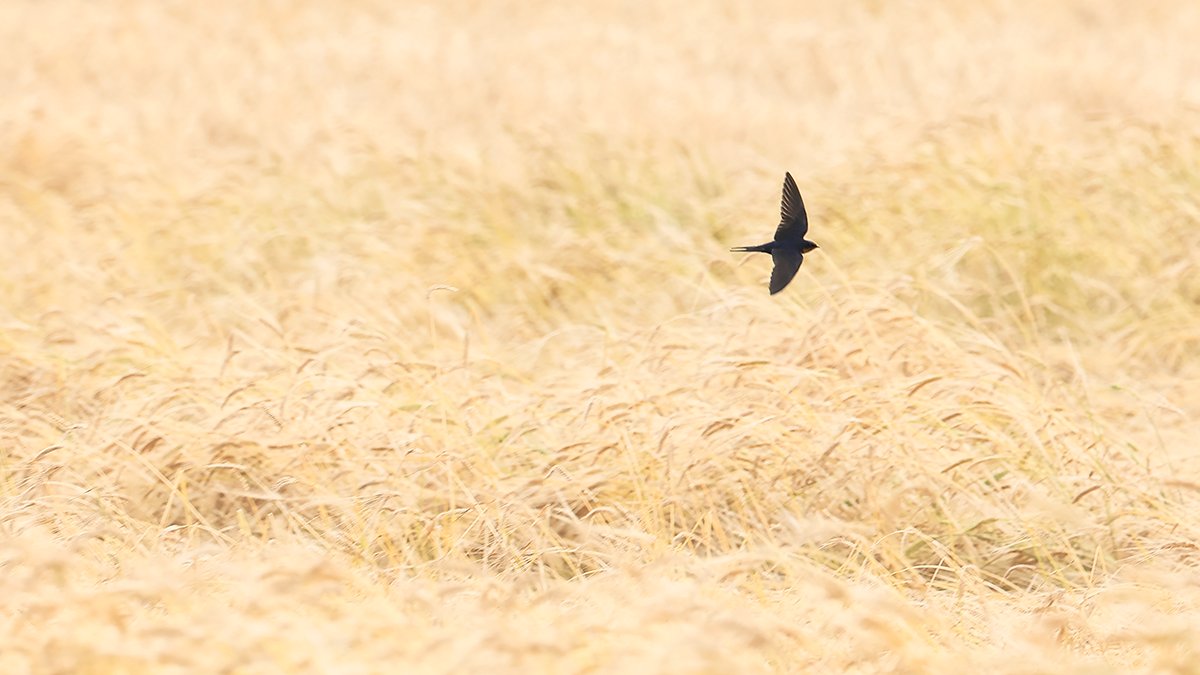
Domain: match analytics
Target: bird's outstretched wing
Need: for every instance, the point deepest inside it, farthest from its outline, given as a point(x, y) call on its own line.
point(794, 222)
point(787, 263)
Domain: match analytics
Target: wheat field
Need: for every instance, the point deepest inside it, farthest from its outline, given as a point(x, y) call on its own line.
point(404, 337)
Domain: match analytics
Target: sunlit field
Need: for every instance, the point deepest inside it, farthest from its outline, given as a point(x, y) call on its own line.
point(383, 337)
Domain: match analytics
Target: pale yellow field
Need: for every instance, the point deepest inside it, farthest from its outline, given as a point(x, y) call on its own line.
point(404, 337)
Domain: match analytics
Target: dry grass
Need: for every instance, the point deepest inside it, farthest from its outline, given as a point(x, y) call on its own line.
point(405, 337)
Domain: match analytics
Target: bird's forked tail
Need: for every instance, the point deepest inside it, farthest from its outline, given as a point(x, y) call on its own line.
point(761, 248)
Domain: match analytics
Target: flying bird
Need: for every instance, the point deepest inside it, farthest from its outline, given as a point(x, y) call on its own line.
point(788, 249)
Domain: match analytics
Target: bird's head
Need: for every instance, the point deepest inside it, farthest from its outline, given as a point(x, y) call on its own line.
point(808, 246)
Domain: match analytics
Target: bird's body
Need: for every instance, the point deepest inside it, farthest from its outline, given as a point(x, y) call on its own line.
point(789, 246)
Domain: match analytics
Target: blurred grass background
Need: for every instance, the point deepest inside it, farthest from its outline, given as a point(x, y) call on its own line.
point(356, 337)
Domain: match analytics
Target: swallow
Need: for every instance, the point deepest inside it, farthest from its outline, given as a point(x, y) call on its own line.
point(788, 249)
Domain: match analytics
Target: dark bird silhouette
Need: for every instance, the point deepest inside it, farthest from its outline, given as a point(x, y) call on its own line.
point(788, 249)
